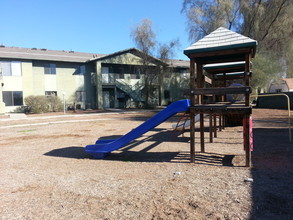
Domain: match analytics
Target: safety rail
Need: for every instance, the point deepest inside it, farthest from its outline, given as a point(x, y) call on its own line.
point(288, 104)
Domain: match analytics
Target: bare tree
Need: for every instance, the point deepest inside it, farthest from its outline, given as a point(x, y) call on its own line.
point(144, 36)
point(145, 39)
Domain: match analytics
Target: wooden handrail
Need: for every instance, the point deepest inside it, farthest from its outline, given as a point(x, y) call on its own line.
point(221, 91)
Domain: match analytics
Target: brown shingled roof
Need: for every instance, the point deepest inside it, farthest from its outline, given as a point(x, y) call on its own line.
point(69, 56)
point(289, 82)
point(44, 54)
point(179, 63)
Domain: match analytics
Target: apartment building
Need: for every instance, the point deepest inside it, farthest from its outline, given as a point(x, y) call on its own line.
point(87, 80)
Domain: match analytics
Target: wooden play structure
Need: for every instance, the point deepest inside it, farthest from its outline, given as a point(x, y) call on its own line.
point(222, 56)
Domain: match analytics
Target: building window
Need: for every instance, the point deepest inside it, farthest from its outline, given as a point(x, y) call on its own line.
point(120, 72)
point(135, 74)
point(120, 76)
point(278, 90)
point(11, 68)
point(12, 98)
point(117, 70)
point(80, 96)
point(50, 93)
point(80, 69)
point(50, 68)
point(166, 94)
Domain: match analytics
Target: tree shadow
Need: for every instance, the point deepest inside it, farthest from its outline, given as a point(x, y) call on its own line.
point(272, 174)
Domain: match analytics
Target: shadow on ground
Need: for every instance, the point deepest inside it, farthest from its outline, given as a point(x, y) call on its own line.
point(74, 152)
point(272, 172)
point(149, 153)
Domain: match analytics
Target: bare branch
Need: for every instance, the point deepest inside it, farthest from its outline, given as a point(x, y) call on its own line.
point(274, 20)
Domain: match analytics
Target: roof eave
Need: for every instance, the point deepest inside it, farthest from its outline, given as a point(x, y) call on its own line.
point(219, 48)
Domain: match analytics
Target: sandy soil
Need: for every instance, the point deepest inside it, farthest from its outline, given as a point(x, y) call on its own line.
point(46, 174)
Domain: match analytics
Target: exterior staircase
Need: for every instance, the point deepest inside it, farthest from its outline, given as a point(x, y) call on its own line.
point(134, 91)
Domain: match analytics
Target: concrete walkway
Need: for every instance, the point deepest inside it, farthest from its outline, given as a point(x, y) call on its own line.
point(65, 116)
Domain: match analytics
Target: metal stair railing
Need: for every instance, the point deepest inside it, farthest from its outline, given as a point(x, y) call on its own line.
point(130, 90)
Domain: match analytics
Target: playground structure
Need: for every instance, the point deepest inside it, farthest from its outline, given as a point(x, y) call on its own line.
point(221, 57)
point(225, 56)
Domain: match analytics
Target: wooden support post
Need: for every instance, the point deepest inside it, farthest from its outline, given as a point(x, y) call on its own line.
point(220, 122)
point(211, 127)
point(192, 115)
point(224, 98)
point(247, 77)
point(223, 121)
point(246, 136)
point(192, 137)
point(215, 125)
point(247, 116)
point(213, 86)
point(202, 147)
point(200, 80)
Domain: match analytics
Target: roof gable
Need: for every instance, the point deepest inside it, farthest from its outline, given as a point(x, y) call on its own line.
point(136, 52)
point(220, 39)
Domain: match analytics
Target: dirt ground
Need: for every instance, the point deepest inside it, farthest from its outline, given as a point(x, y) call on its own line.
point(46, 174)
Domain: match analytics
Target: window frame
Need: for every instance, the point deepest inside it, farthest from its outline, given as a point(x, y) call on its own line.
point(15, 100)
point(80, 69)
point(50, 68)
point(50, 93)
point(80, 96)
point(10, 68)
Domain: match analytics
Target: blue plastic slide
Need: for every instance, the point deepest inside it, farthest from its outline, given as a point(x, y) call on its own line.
point(103, 147)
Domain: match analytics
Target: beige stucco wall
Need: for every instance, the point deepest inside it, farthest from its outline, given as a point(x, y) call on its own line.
point(34, 81)
point(12, 83)
point(65, 83)
point(38, 79)
point(27, 78)
point(22, 83)
point(2, 104)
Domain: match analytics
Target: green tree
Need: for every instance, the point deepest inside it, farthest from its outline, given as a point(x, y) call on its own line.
point(266, 69)
point(204, 16)
point(270, 22)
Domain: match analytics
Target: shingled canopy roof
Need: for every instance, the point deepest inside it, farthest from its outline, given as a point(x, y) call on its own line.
point(222, 43)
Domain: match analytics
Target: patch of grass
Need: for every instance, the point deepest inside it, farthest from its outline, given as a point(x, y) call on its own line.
point(27, 130)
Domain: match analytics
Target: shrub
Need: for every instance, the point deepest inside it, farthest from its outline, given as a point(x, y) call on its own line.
point(55, 104)
point(43, 104)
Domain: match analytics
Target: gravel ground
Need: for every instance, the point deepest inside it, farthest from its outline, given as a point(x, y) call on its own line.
point(46, 174)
